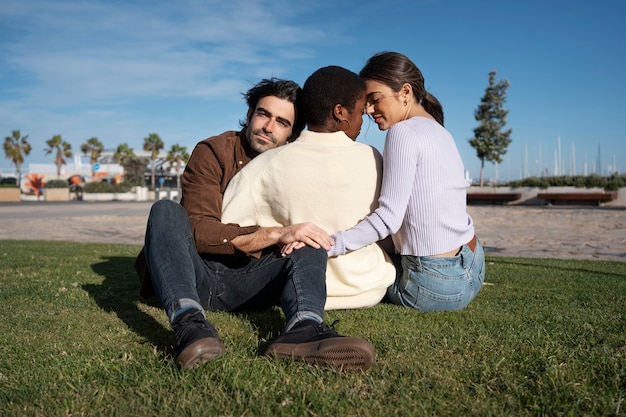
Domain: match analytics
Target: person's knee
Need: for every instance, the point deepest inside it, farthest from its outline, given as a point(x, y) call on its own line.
point(164, 204)
point(312, 254)
point(166, 220)
point(163, 209)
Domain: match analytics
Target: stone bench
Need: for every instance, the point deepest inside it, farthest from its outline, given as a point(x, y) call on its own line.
point(581, 198)
point(492, 198)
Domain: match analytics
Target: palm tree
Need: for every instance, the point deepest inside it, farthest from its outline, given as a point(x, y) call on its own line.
point(16, 147)
point(177, 155)
point(63, 150)
point(153, 144)
point(122, 153)
point(93, 147)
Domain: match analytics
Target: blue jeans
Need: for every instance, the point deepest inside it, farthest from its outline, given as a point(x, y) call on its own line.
point(429, 283)
point(184, 279)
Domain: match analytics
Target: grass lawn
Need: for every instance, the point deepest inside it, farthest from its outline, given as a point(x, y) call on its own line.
point(544, 337)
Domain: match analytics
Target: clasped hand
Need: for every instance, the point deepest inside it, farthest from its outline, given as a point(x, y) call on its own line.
point(298, 235)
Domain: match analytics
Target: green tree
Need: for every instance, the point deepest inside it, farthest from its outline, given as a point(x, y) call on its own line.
point(93, 147)
point(16, 147)
point(153, 144)
point(123, 153)
point(176, 156)
point(63, 150)
point(134, 170)
point(490, 140)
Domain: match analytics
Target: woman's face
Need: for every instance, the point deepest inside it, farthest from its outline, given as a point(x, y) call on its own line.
point(383, 104)
point(356, 118)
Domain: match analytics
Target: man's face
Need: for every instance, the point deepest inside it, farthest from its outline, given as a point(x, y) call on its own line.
point(355, 118)
point(270, 123)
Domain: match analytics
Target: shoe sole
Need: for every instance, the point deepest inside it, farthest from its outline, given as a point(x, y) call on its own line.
point(344, 353)
point(202, 351)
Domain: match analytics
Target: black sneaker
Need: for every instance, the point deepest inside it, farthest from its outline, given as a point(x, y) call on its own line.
point(319, 344)
point(196, 339)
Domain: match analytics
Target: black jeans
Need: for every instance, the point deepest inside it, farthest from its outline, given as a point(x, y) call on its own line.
point(184, 279)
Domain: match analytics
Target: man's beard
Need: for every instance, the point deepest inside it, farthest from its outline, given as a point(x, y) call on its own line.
point(263, 145)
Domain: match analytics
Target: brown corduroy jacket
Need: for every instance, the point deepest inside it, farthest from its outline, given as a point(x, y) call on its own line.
point(213, 163)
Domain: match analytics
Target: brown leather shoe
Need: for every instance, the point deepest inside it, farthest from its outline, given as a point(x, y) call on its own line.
point(197, 340)
point(199, 352)
point(319, 344)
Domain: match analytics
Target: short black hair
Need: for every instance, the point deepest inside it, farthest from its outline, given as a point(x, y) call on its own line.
point(327, 87)
point(283, 89)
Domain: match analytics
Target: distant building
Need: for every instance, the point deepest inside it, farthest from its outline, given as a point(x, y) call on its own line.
point(107, 170)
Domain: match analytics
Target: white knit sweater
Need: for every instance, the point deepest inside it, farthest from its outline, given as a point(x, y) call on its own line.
point(326, 179)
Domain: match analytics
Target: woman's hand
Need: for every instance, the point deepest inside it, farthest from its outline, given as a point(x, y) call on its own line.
point(290, 247)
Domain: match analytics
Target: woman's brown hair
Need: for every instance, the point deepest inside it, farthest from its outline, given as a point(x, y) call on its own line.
point(394, 70)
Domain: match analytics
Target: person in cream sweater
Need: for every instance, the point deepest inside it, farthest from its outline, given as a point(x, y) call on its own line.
point(324, 177)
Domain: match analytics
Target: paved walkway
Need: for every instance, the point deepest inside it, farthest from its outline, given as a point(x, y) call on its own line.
point(517, 231)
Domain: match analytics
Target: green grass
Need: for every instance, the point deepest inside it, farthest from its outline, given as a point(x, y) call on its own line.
point(544, 337)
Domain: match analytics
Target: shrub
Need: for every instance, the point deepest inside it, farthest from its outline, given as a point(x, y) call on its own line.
point(98, 187)
point(105, 187)
point(611, 183)
point(123, 187)
point(57, 184)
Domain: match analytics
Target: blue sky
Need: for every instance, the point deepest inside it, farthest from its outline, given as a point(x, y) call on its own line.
point(120, 70)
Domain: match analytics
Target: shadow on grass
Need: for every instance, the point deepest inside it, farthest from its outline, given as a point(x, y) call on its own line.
point(267, 324)
point(119, 293)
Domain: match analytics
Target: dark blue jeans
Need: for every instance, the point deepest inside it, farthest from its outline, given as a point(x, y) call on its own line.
point(184, 279)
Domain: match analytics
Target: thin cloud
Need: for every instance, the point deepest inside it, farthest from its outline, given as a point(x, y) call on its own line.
point(77, 53)
point(119, 70)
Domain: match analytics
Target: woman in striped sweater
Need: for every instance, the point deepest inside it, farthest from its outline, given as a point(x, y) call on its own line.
point(423, 198)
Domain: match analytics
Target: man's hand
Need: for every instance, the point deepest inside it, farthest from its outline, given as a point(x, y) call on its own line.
point(306, 233)
point(302, 233)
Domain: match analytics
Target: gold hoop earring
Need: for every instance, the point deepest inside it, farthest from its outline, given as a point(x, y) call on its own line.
point(338, 122)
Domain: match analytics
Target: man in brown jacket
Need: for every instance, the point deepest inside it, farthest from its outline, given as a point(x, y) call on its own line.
point(194, 262)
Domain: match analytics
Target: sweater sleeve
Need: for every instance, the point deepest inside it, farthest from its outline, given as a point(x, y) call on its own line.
point(400, 159)
point(364, 233)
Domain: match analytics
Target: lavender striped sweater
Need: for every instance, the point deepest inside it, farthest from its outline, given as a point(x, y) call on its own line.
point(423, 197)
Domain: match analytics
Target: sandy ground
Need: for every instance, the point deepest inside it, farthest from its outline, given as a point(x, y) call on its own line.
point(565, 232)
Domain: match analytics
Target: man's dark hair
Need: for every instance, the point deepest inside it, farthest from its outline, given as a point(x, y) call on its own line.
point(328, 87)
point(283, 89)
